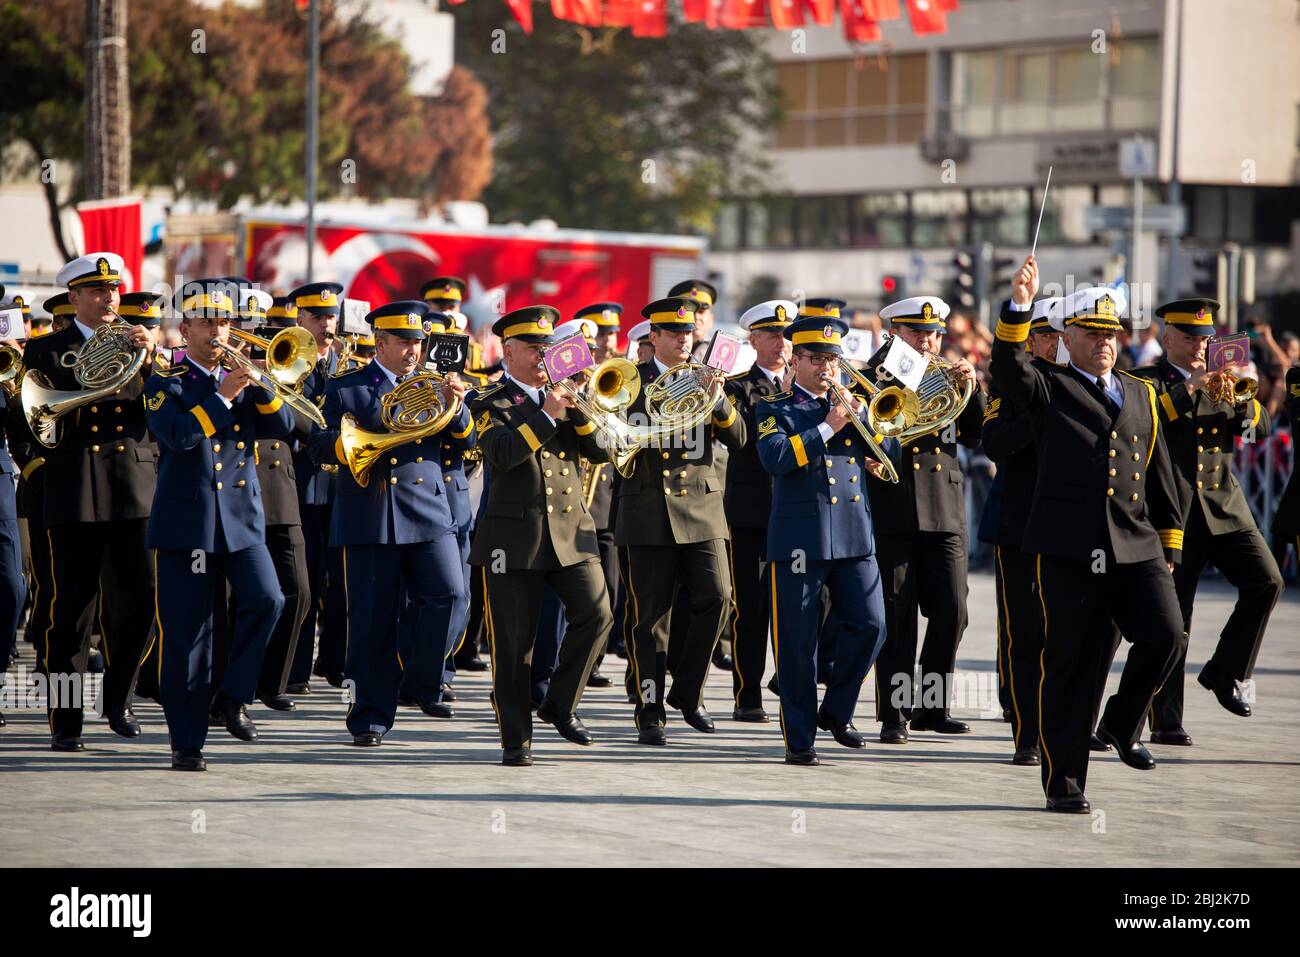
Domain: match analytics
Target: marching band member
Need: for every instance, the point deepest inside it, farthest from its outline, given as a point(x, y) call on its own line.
point(207, 526)
point(99, 483)
point(13, 587)
point(535, 532)
point(1008, 438)
point(1104, 524)
point(316, 308)
point(922, 543)
point(748, 504)
point(284, 539)
point(1201, 428)
point(395, 533)
point(670, 517)
point(608, 317)
point(819, 536)
point(1286, 519)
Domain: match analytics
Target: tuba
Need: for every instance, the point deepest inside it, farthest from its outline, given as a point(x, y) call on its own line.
point(414, 410)
point(290, 357)
point(11, 369)
point(105, 363)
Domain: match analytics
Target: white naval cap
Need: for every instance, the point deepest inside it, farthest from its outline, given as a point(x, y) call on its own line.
point(255, 302)
point(458, 320)
point(920, 312)
point(640, 331)
point(773, 314)
point(92, 269)
point(1095, 307)
point(1048, 311)
point(586, 326)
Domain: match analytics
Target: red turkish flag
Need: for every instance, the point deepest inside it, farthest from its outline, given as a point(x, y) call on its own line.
point(651, 19)
point(823, 11)
point(523, 11)
point(927, 17)
point(742, 14)
point(620, 13)
point(858, 27)
point(697, 11)
point(879, 10)
point(786, 14)
point(947, 6)
point(113, 225)
point(586, 12)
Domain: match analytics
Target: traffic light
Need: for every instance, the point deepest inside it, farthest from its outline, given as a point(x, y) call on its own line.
point(1210, 274)
point(1004, 270)
point(963, 292)
point(892, 288)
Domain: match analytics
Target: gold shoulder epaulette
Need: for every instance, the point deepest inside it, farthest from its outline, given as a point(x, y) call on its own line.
point(169, 372)
point(779, 396)
point(486, 393)
point(738, 375)
point(346, 372)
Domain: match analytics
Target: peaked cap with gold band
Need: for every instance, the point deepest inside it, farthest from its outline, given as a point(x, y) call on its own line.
point(19, 299)
point(1095, 307)
point(141, 309)
point(922, 313)
point(817, 333)
point(404, 318)
point(821, 307)
point(775, 314)
point(706, 294)
point(607, 315)
point(283, 312)
point(215, 298)
point(437, 322)
point(59, 305)
point(1192, 316)
point(530, 324)
point(444, 289)
point(92, 269)
point(323, 297)
point(640, 332)
point(674, 314)
point(1046, 315)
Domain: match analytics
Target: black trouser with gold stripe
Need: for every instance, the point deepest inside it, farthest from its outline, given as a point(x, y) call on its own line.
point(40, 584)
point(77, 551)
point(748, 548)
point(1020, 627)
point(1245, 561)
point(513, 600)
point(925, 571)
point(653, 572)
point(289, 555)
point(1079, 605)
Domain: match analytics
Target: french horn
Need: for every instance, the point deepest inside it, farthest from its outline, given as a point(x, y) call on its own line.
point(11, 369)
point(414, 410)
point(105, 363)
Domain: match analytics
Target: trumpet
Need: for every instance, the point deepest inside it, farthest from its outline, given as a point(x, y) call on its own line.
point(886, 401)
point(105, 363)
point(290, 352)
point(611, 388)
point(1226, 386)
point(11, 369)
point(414, 410)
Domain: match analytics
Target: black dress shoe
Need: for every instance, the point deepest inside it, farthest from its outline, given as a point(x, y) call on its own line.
point(651, 735)
point(805, 759)
point(303, 688)
point(1134, 755)
point(125, 724)
point(1096, 744)
point(1006, 715)
point(436, 709)
point(773, 686)
point(939, 723)
point(597, 680)
point(334, 679)
point(215, 718)
point(570, 726)
point(188, 759)
point(367, 739)
point(697, 718)
point(278, 702)
point(471, 664)
point(721, 659)
point(893, 734)
point(1226, 691)
point(1175, 736)
point(632, 699)
point(752, 715)
point(1075, 804)
point(66, 742)
point(1026, 757)
point(517, 758)
point(237, 721)
point(621, 652)
point(845, 734)
point(448, 694)
point(2, 720)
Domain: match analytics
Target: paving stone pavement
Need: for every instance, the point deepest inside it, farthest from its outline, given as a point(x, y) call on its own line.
point(434, 794)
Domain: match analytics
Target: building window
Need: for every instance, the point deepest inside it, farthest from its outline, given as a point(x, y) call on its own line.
point(1000, 216)
point(839, 102)
point(880, 219)
point(1046, 89)
point(824, 222)
point(939, 217)
point(1063, 215)
point(727, 233)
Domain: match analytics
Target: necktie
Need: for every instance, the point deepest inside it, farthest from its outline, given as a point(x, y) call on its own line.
point(1111, 404)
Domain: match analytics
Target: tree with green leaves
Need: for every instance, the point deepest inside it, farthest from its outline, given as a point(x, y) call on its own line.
point(600, 129)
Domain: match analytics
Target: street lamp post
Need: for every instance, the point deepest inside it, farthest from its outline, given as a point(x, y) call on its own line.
point(313, 109)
